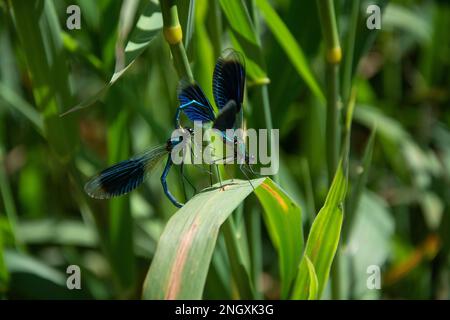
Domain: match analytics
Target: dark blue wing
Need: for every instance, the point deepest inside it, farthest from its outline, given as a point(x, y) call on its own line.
point(193, 103)
point(227, 116)
point(229, 79)
point(124, 176)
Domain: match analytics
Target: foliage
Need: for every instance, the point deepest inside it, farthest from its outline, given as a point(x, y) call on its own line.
point(384, 192)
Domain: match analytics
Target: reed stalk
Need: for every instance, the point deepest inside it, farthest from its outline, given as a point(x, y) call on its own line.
point(333, 56)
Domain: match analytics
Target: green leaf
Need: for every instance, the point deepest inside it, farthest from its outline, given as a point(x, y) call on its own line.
point(146, 29)
point(17, 262)
point(313, 282)
point(184, 252)
point(67, 232)
point(414, 23)
point(239, 19)
point(239, 262)
point(245, 39)
point(323, 239)
point(290, 46)
point(186, 15)
point(359, 186)
point(289, 243)
point(30, 278)
point(17, 103)
point(40, 38)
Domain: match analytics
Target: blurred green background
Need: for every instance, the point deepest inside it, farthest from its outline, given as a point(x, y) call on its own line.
point(399, 74)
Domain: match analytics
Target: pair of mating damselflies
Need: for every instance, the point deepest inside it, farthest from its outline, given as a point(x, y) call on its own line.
point(228, 91)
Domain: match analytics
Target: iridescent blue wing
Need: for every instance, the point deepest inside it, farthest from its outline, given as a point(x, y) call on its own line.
point(229, 79)
point(124, 176)
point(193, 103)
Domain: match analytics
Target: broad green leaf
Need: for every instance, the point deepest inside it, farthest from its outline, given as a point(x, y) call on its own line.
point(146, 29)
point(323, 239)
point(313, 282)
point(184, 251)
point(290, 46)
point(289, 244)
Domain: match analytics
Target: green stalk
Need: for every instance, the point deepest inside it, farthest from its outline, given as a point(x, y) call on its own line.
point(173, 35)
point(308, 191)
point(217, 27)
point(333, 59)
point(349, 52)
point(264, 91)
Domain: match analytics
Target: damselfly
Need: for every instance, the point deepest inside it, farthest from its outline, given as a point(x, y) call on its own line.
point(228, 90)
point(127, 175)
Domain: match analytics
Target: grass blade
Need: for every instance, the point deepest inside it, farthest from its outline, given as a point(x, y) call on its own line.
point(17, 103)
point(185, 249)
point(285, 230)
point(40, 36)
point(359, 186)
point(313, 281)
point(323, 239)
point(238, 262)
point(245, 39)
point(290, 46)
point(146, 29)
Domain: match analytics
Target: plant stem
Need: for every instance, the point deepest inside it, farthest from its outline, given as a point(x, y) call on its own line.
point(332, 125)
point(264, 91)
point(174, 36)
point(349, 52)
point(217, 27)
point(333, 59)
